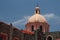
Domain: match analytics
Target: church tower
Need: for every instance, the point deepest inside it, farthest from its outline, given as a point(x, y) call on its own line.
point(37, 21)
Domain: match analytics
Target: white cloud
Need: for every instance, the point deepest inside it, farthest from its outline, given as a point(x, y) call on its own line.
point(49, 16)
point(52, 17)
point(22, 21)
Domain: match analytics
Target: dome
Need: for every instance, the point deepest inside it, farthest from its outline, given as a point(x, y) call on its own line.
point(37, 18)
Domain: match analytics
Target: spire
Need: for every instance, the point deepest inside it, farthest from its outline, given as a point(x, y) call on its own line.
point(37, 9)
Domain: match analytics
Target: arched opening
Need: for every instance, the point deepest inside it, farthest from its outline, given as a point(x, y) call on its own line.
point(40, 28)
point(36, 11)
point(49, 38)
point(32, 27)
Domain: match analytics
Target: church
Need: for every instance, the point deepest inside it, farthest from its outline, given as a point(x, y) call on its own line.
point(37, 28)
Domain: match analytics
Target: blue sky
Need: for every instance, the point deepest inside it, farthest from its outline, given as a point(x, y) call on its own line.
point(18, 11)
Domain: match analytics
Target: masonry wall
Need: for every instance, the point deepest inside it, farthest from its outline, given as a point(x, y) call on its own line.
point(8, 32)
point(5, 30)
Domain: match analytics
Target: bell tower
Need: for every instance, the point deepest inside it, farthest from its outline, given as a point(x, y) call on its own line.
point(37, 10)
point(37, 21)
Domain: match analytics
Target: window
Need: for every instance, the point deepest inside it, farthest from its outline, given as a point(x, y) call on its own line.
point(36, 11)
point(40, 28)
point(32, 27)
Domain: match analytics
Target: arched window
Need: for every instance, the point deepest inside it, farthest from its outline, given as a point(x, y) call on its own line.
point(49, 38)
point(36, 11)
point(32, 27)
point(40, 28)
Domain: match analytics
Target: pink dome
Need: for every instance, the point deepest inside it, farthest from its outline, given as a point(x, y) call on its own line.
point(37, 18)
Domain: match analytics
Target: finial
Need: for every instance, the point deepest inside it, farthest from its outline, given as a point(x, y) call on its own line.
point(37, 9)
point(38, 4)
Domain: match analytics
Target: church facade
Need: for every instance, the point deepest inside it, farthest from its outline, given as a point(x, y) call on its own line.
point(37, 28)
